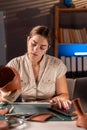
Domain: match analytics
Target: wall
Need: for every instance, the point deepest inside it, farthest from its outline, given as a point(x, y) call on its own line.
point(22, 15)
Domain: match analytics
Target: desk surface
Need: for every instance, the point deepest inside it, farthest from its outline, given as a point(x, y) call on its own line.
point(61, 125)
point(38, 108)
point(53, 123)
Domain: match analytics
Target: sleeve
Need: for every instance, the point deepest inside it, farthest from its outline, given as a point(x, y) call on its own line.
point(61, 69)
point(13, 63)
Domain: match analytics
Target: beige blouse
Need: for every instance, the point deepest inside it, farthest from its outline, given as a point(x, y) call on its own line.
point(51, 68)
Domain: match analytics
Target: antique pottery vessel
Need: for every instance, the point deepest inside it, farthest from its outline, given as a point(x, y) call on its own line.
point(82, 117)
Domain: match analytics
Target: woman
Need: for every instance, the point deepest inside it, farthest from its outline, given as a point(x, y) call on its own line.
point(42, 75)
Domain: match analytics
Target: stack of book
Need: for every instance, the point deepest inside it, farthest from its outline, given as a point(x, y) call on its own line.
point(73, 35)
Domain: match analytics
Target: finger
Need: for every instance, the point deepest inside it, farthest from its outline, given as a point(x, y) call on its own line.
point(58, 102)
point(70, 102)
point(54, 102)
point(65, 105)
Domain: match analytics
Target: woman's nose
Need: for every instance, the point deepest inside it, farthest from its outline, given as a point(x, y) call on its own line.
point(37, 48)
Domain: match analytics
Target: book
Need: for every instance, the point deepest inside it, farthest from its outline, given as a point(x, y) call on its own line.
point(68, 64)
point(79, 64)
point(73, 64)
point(85, 63)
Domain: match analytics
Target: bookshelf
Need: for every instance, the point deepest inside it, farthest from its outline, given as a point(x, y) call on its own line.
point(70, 26)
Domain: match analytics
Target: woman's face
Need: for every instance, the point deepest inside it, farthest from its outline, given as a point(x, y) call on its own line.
point(36, 47)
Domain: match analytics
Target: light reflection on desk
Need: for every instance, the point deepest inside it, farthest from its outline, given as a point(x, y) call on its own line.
point(52, 125)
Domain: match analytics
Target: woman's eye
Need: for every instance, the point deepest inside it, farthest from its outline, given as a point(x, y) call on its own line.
point(42, 48)
point(33, 44)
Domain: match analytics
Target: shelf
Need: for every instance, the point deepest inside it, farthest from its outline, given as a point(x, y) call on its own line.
point(70, 23)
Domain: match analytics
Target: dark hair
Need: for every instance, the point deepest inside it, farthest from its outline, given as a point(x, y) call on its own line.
point(41, 30)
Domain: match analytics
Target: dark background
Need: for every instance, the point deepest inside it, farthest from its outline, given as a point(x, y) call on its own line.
point(19, 16)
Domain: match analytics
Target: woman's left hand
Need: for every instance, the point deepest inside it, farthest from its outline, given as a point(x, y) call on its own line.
point(61, 102)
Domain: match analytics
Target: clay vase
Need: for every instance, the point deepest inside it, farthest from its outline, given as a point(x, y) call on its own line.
point(9, 79)
point(82, 117)
point(4, 125)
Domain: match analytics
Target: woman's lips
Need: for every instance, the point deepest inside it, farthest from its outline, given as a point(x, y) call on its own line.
point(34, 54)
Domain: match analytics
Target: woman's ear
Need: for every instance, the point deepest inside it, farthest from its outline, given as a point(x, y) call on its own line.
point(49, 46)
